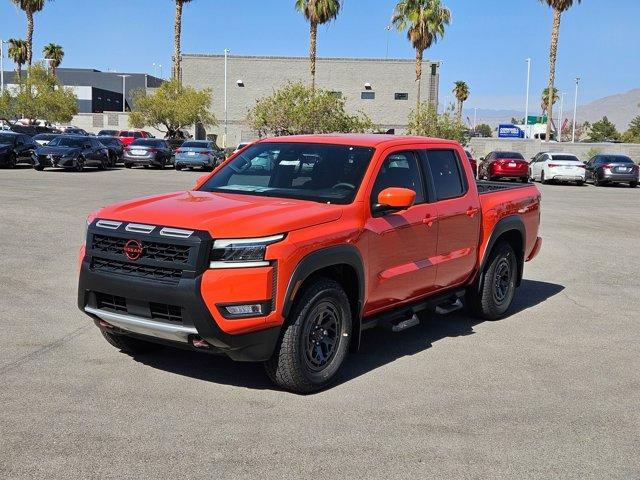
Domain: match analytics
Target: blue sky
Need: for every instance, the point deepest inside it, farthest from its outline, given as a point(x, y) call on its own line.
point(485, 45)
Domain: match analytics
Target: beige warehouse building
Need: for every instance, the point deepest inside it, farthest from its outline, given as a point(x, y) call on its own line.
point(383, 89)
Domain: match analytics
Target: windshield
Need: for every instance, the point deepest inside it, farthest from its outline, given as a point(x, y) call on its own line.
point(141, 142)
point(616, 159)
point(569, 158)
point(308, 171)
point(67, 142)
point(7, 139)
point(513, 155)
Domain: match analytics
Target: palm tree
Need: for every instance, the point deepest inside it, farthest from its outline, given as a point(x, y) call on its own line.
point(17, 52)
point(54, 53)
point(177, 31)
point(545, 99)
point(559, 6)
point(461, 92)
point(425, 21)
point(317, 12)
point(30, 7)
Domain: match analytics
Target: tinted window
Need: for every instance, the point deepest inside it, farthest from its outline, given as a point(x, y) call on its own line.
point(399, 170)
point(193, 144)
point(515, 155)
point(318, 172)
point(446, 173)
point(148, 142)
point(67, 142)
point(7, 139)
point(569, 158)
point(616, 159)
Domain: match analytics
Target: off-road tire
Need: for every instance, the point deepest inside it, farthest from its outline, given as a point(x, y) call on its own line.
point(128, 345)
point(483, 301)
point(289, 366)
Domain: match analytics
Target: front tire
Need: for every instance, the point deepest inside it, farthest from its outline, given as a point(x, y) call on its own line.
point(79, 165)
point(315, 339)
point(128, 345)
point(493, 297)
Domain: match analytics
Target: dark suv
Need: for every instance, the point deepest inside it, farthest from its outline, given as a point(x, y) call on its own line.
point(604, 168)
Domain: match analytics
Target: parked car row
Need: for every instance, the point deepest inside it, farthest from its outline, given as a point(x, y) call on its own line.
point(547, 167)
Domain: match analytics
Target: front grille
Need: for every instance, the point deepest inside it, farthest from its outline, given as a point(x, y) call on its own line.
point(161, 252)
point(172, 275)
point(111, 302)
point(164, 312)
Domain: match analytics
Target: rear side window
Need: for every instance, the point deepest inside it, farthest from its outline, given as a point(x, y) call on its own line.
point(399, 170)
point(446, 173)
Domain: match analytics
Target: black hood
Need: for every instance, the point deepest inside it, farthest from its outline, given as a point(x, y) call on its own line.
point(47, 150)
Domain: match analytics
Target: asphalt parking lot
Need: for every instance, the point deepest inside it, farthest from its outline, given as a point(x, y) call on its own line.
point(552, 391)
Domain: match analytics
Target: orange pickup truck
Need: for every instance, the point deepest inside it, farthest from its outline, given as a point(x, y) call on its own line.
point(294, 246)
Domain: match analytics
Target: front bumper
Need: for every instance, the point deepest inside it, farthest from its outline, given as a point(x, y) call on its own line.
point(55, 161)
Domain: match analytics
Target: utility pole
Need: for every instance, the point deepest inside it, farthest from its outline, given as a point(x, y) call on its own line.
point(560, 117)
point(124, 91)
point(226, 54)
point(388, 29)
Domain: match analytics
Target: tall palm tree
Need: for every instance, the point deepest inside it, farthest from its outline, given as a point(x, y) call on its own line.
point(177, 32)
point(425, 21)
point(30, 7)
point(317, 12)
point(461, 92)
point(54, 53)
point(17, 52)
point(559, 7)
point(545, 99)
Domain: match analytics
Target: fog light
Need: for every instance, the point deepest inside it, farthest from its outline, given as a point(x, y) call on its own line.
point(242, 310)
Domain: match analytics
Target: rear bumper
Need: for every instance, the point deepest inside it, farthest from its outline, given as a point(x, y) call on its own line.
point(133, 160)
point(619, 177)
point(568, 178)
point(536, 249)
point(196, 161)
point(497, 171)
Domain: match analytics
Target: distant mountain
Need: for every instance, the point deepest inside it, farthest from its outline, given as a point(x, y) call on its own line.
point(620, 109)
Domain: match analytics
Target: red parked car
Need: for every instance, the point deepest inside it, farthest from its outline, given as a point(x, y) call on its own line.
point(473, 162)
point(128, 136)
point(499, 165)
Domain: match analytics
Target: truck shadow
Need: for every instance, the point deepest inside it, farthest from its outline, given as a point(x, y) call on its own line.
point(378, 347)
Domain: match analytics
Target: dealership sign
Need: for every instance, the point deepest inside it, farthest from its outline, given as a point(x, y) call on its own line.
point(510, 131)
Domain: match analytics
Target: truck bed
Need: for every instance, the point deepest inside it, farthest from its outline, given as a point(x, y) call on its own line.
point(488, 187)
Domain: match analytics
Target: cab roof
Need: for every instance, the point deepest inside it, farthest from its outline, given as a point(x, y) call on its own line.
point(358, 139)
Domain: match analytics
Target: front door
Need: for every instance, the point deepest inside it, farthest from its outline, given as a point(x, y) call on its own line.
point(401, 244)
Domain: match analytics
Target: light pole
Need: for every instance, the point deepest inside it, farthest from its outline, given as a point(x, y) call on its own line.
point(2, 42)
point(160, 67)
point(575, 111)
point(124, 92)
point(155, 69)
point(559, 139)
point(526, 107)
point(226, 54)
point(388, 29)
point(475, 118)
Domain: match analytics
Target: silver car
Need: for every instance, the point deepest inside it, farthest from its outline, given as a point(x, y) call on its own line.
point(198, 153)
point(605, 168)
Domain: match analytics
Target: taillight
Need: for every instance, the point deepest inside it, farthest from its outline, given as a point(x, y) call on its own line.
point(177, 150)
point(553, 165)
point(152, 150)
point(582, 165)
point(607, 165)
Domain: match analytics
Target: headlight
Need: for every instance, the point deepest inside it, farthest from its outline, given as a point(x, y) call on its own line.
point(241, 252)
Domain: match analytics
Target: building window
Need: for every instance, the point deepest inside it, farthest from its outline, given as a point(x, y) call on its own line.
point(368, 95)
point(336, 94)
point(401, 96)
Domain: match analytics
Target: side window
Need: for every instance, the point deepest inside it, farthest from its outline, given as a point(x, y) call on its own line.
point(446, 173)
point(399, 170)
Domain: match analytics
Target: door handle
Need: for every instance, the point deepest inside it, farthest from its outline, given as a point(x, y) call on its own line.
point(471, 212)
point(429, 220)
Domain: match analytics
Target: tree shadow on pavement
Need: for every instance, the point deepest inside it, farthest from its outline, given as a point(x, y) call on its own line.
point(378, 347)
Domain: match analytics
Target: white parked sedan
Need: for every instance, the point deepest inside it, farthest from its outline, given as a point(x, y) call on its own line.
point(560, 167)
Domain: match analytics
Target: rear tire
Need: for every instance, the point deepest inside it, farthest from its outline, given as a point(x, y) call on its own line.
point(128, 345)
point(178, 167)
point(498, 284)
point(543, 180)
point(127, 165)
point(315, 339)
point(579, 183)
point(38, 168)
point(524, 179)
point(633, 184)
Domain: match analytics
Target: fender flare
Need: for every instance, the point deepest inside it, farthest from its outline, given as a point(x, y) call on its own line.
point(504, 225)
point(327, 257)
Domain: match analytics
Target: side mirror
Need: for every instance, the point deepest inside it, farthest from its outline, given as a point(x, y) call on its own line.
point(393, 199)
point(200, 181)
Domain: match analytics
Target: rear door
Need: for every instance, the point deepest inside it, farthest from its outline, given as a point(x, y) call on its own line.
point(458, 214)
point(401, 244)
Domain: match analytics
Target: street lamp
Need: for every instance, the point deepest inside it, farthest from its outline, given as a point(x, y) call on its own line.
point(575, 111)
point(124, 97)
point(526, 108)
point(388, 29)
point(475, 118)
point(226, 54)
point(2, 42)
point(560, 116)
